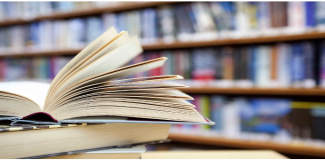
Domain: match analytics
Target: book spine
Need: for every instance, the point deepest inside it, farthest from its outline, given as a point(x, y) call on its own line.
point(298, 66)
point(284, 65)
point(217, 104)
point(274, 62)
point(310, 9)
point(309, 57)
point(320, 14)
point(205, 109)
point(322, 65)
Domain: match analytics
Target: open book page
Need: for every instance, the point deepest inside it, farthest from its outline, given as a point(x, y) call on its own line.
point(135, 81)
point(118, 73)
point(108, 87)
point(34, 91)
point(120, 39)
point(97, 43)
point(110, 61)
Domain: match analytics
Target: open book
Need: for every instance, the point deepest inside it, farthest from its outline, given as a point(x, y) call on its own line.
point(93, 83)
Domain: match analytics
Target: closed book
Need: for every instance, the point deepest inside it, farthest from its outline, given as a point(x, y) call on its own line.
point(298, 65)
point(284, 65)
point(51, 140)
point(310, 11)
point(322, 65)
point(217, 104)
point(320, 14)
point(133, 152)
point(205, 108)
point(309, 58)
point(263, 66)
point(297, 19)
point(274, 59)
point(318, 121)
point(228, 65)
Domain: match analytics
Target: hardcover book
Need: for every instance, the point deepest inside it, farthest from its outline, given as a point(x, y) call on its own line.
point(41, 141)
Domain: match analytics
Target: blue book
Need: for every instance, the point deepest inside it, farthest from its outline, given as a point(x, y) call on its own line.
point(309, 56)
point(322, 64)
point(34, 33)
point(217, 104)
point(230, 11)
point(310, 9)
point(265, 114)
point(320, 14)
point(298, 64)
point(253, 64)
point(65, 6)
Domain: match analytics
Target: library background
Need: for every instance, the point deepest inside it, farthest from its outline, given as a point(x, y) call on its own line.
point(257, 69)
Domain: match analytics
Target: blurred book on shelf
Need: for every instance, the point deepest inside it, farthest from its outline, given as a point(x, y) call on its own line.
point(260, 119)
point(266, 66)
point(197, 21)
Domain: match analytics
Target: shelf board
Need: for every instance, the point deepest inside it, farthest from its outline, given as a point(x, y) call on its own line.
point(300, 150)
point(179, 45)
point(87, 11)
point(222, 42)
point(256, 91)
point(31, 53)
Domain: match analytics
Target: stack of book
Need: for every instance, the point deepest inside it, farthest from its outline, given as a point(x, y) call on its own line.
point(91, 105)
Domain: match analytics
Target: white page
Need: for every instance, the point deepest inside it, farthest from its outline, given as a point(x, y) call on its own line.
point(106, 37)
point(35, 91)
point(122, 38)
point(110, 61)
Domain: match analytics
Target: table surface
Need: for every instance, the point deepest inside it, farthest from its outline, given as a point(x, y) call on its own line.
point(213, 155)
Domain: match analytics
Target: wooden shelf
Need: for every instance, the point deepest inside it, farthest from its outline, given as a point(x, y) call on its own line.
point(256, 91)
point(31, 53)
point(222, 42)
point(300, 150)
point(87, 11)
point(179, 45)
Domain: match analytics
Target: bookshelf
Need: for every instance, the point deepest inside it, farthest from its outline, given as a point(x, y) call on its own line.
point(159, 45)
point(122, 6)
point(178, 45)
point(292, 149)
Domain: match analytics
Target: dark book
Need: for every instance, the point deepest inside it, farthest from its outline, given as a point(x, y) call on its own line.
point(309, 57)
point(279, 16)
point(228, 63)
point(237, 63)
point(318, 122)
point(301, 126)
point(219, 65)
point(243, 63)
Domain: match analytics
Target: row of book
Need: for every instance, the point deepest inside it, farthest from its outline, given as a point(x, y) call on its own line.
point(268, 66)
point(39, 69)
point(177, 22)
point(260, 119)
point(29, 10)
